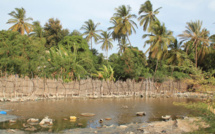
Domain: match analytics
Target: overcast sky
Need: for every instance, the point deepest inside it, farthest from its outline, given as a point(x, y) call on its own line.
point(73, 14)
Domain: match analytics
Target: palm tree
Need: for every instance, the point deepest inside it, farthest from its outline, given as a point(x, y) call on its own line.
point(20, 21)
point(203, 48)
point(37, 30)
point(175, 56)
point(90, 31)
point(122, 45)
point(124, 23)
point(197, 35)
point(115, 36)
point(149, 15)
point(106, 41)
point(159, 40)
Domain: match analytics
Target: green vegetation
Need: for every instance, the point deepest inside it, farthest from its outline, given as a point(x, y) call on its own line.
point(52, 52)
point(53, 32)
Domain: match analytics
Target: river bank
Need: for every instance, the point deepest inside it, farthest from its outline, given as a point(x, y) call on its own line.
point(208, 95)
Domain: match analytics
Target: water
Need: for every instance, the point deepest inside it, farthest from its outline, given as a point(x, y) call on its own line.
point(103, 108)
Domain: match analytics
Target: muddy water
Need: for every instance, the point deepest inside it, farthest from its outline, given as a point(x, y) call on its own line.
point(113, 108)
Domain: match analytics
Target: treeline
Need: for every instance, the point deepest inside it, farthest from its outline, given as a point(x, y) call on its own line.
point(50, 51)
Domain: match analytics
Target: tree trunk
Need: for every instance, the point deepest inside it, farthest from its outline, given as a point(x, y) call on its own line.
point(91, 44)
point(107, 54)
point(187, 50)
point(128, 39)
point(196, 57)
point(195, 44)
point(172, 70)
point(156, 67)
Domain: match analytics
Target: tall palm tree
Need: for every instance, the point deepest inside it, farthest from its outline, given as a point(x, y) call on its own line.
point(106, 41)
point(122, 45)
point(197, 35)
point(149, 16)
point(20, 21)
point(115, 36)
point(159, 40)
point(124, 23)
point(203, 48)
point(91, 31)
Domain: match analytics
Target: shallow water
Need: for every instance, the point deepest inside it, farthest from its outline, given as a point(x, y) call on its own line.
point(103, 108)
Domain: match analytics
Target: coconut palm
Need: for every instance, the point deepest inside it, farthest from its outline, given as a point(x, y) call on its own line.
point(106, 41)
point(124, 23)
point(159, 40)
point(175, 56)
point(149, 16)
point(91, 31)
point(122, 45)
point(20, 21)
point(115, 36)
point(203, 48)
point(37, 30)
point(197, 35)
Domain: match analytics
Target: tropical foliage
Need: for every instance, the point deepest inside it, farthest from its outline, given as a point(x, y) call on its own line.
point(124, 25)
point(54, 32)
point(52, 52)
point(159, 41)
point(106, 41)
point(65, 64)
point(106, 73)
point(90, 31)
point(197, 35)
point(20, 55)
point(20, 21)
point(148, 17)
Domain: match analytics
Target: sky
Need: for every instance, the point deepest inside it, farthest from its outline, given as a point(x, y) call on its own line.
point(73, 13)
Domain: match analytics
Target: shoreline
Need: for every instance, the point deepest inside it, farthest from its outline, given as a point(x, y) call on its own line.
point(191, 95)
point(177, 126)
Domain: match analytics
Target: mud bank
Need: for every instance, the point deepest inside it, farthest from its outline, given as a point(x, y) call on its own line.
point(178, 126)
point(169, 127)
